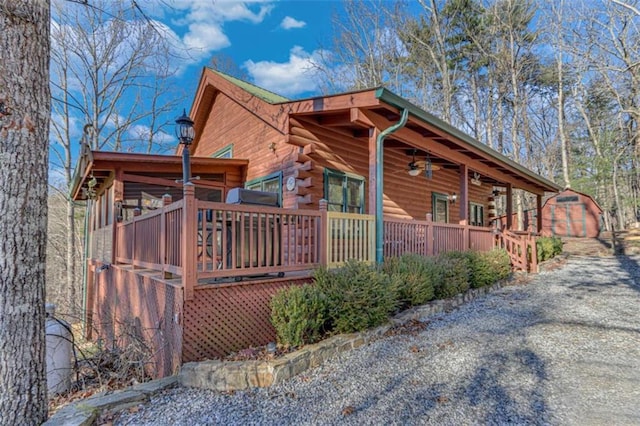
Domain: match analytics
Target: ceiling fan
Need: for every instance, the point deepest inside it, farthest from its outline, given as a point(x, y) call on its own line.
point(417, 167)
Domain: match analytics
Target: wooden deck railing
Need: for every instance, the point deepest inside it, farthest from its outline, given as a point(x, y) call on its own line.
point(429, 238)
point(234, 240)
point(521, 248)
point(348, 236)
point(152, 240)
point(202, 240)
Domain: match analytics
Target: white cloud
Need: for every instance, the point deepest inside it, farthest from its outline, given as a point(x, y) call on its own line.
point(205, 21)
point(289, 23)
point(205, 38)
point(294, 77)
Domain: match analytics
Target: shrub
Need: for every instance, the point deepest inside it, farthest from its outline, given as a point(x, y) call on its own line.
point(548, 247)
point(359, 296)
point(498, 263)
point(299, 315)
point(481, 270)
point(453, 272)
point(413, 275)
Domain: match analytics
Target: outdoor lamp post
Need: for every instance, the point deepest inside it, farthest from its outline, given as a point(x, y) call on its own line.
point(185, 134)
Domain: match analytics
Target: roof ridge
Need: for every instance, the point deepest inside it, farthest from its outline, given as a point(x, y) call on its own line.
point(260, 92)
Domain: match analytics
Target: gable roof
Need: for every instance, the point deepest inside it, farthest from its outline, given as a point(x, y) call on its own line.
point(568, 190)
point(264, 94)
point(423, 128)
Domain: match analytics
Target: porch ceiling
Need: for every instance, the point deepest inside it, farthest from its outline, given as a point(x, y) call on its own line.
point(445, 147)
point(104, 167)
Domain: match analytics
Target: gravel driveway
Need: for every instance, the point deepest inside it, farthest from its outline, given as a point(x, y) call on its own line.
point(562, 349)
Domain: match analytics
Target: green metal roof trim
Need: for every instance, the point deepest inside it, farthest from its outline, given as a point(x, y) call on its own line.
point(256, 91)
point(393, 99)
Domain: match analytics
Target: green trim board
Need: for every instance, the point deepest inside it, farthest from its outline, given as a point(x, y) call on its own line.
point(346, 203)
point(436, 199)
point(226, 152)
point(264, 184)
point(476, 214)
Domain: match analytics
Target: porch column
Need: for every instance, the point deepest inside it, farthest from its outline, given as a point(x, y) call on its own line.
point(539, 210)
point(509, 207)
point(118, 198)
point(189, 241)
point(464, 193)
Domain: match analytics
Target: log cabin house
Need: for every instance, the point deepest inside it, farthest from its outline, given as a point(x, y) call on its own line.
point(190, 269)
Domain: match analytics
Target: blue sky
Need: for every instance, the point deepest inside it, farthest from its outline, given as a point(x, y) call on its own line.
point(272, 41)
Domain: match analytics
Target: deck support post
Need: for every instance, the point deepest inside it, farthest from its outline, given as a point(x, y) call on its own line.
point(379, 180)
point(464, 193)
point(539, 213)
point(324, 230)
point(509, 206)
point(429, 218)
point(189, 241)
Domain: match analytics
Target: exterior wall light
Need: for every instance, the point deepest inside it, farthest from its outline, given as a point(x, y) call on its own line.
point(185, 134)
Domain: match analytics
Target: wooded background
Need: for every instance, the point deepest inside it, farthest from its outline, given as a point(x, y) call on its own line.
point(552, 84)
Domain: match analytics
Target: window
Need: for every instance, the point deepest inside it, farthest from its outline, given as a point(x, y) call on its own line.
point(440, 206)
point(226, 152)
point(343, 191)
point(476, 214)
point(270, 183)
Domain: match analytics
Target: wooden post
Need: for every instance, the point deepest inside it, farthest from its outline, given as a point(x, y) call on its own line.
point(189, 241)
point(166, 200)
point(509, 207)
point(324, 233)
point(464, 193)
point(465, 235)
point(136, 213)
point(534, 254)
point(429, 234)
point(117, 195)
point(539, 215)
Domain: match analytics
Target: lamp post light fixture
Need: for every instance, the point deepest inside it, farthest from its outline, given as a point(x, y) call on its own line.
point(185, 134)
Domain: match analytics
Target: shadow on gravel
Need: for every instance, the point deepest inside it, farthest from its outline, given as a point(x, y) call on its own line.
point(631, 267)
point(629, 264)
point(592, 281)
point(509, 388)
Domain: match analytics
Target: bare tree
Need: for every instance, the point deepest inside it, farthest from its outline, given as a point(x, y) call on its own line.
point(24, 127)
point(110, 72)
point(366, 51)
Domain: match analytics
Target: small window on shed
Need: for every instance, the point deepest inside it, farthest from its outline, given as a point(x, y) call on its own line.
point(568, 199)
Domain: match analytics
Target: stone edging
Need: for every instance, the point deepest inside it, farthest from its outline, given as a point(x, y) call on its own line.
point(85, 412)
point(238, 375)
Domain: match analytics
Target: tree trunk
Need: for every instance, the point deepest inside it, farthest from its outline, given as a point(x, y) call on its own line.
point(24, 129)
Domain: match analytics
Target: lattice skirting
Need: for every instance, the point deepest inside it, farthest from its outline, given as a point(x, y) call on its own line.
point(133, 310)
point(223, 319)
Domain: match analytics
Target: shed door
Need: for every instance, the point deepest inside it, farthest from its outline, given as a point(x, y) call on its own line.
point(569, 219)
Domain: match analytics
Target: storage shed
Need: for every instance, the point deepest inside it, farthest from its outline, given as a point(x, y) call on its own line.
point(571, 214)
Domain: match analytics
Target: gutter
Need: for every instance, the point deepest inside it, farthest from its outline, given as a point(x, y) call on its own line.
point(401, 103)
point(379, 182)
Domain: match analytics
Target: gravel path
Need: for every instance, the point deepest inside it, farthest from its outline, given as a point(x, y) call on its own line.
point(563, 349)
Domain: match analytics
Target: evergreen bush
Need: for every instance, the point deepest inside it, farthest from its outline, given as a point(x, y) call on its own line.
point(499, 262)
point(359, 296)
point(299, 315)
point(414, 277)
point(454, 273)
point(548, 247)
